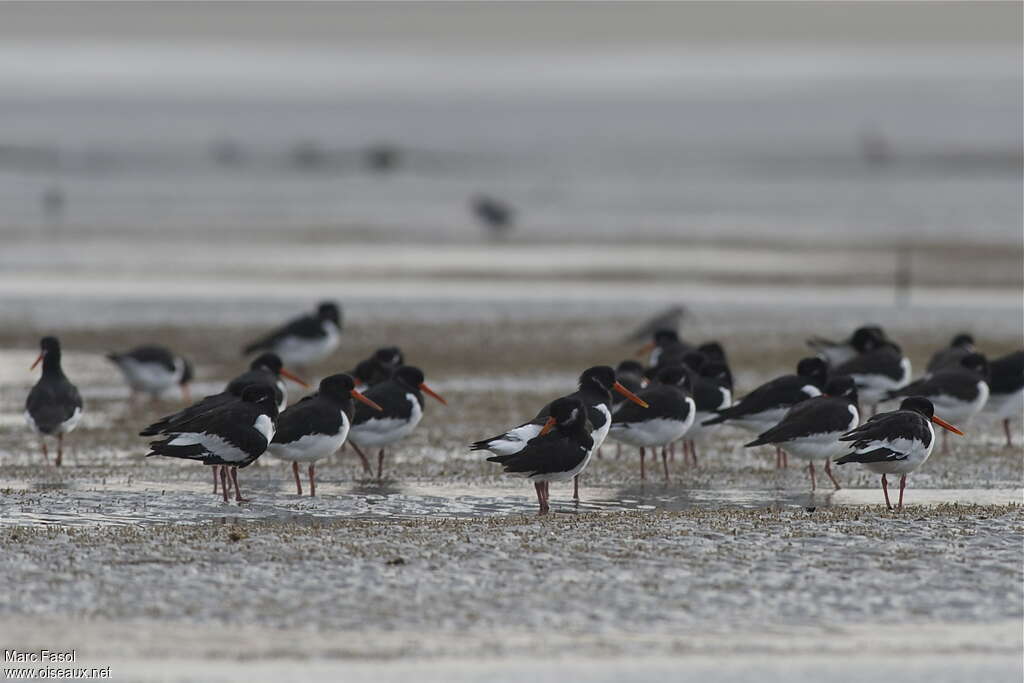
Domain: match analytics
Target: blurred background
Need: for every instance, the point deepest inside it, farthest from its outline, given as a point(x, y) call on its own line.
point(752, 153)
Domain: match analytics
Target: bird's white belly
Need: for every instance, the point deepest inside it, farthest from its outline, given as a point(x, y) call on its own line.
point(1006, 406)
point(656, 432)
point(872, 388)
point(305, 352)
point(150, 378)
point(956, 410)
point(379, 432)
point(311, 447)
point(601, 433)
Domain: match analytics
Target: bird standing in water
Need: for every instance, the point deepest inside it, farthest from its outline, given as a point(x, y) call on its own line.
point(53, 406)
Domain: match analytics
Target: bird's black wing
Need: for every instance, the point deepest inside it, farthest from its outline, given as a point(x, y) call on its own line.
point(1007, 373)
point(51, 403)
point(819, 415)
point(884, 361)
point(306, 326)
point(781, 391)
point(553, 452)
point(233, 424)
point(308, 416)
point(205, 405)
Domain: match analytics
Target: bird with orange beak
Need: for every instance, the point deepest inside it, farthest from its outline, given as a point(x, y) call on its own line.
point(54, 406)
point(596, 385)
point(401, 404)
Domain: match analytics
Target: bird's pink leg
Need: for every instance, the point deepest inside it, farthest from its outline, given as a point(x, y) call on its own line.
point(810, 469)
point(298, 484)
point(693, 452)
point(223, 480)
point(664, 461)
point(539, 488)
point(672, 451)
point(1006, 428)
point(362, 456)
point(46, 451)
point(576, 488)
point(643, 474)
point(238, 491)
point(312, 479)
point(60, 450)
point(885, 490)
point(785, 460)
point(828, 471)
point(214, 468)
point(598, 454)
point(903, 485)
point(778, 458)
point(380, 465)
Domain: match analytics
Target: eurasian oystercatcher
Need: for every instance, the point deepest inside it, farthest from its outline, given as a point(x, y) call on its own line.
point(305, 340)
point(53, 406)
point(897, 442)
point(317, 426)
point(877, 372)
point(836, 353)
point(766, 405)
point(378, 367)
point(664, 350)
point(559, 452)
point(958, 392)
point(595, 390)
point(401, 409)
point(811, 429)
point(630, 374)
point(961, 345)
point(712, 391)
point(668, 414)
point(1006, 390)
point(713, 350)
point(229, 436)
point(153, 370)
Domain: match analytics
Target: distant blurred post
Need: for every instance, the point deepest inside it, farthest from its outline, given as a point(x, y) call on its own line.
point(902, 276)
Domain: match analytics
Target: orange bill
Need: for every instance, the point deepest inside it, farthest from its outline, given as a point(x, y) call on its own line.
point(362, 397)
point(430, 392)
point(38, 361)
point(942, 423)
point(295, 378)
point(548, 426)
point(630, 395)
point(646, 348)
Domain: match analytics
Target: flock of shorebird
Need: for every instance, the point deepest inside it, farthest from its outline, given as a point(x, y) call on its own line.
point(682, 394)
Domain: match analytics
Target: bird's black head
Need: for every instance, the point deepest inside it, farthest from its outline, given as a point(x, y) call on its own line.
point(842, 386)
point(267, 361)
point(389, 356)
point(568, 412)
point(675, 376)
point(630, 367)
point(49, 345)
point(601, 377)
point(262, 395)
point(919, 404)
point(368, 372)
point(963, 340)
point(694, 360)
point(49, 354)
point(338, 387)
point(975, 362)
point(665, 336)
point(712, 350)
point(813, 368)
point(328, 310)
point(867, 338)
point(409, 375)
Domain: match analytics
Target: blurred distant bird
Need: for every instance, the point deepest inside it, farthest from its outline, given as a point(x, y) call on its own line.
point(880, 369)
point(863, 339)
point(664, 350)
point(559, 452)
point(227, 437)
point(378, 367)
point(896, 442)
point(668, 319)
point(961, 345)
point(305, 340)
point(497, 217)
point(811, 429)
point(153, 370)
point(317, 426)
point(1006, 390)
point(54, 406)
point(401, 408)
point(382, 157)
point(712, 391)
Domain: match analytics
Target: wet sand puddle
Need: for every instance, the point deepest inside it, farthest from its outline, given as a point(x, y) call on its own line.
point(150, 502)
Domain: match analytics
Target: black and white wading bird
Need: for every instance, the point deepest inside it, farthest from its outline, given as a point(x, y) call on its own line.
point(559, 452)
point(958, 391)
point(877, 371)
point(265, 370)
point(811, 429)
point(317, 426)
point(1006, 390)
point(712, 391)
point(961, 345)
point(665, 416)
point(836, 353)
point(154, 370)
point(227, 437)
point(896, 442)
point(305, 340)
point(664, 350)
point(595, 390)
point(53, 406)
point(400, 400)
point(766, 405)
point(378, 367)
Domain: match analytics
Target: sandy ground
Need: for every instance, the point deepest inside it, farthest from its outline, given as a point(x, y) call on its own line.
point(444, 571)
